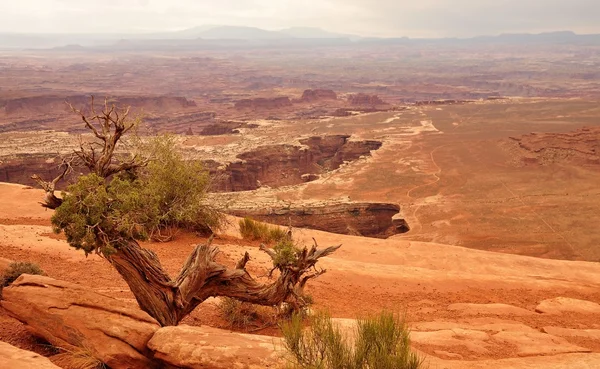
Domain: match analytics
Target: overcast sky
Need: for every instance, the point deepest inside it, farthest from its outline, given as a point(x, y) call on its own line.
point(413, 18)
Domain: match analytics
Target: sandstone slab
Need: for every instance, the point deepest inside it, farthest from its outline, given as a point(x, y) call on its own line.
point(72, 316)
point(474, 341)
point(489, 309)
point(206, 347)
point(561, 305)
point(12, 357)
point(593, 334)
point(533, 344)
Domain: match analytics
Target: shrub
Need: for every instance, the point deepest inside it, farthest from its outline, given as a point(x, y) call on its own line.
point(14, 271)
point(285, 253)
point(381, 342)
point(244, 315)
point(250, 229)
point(168, 193)
point(17, 268)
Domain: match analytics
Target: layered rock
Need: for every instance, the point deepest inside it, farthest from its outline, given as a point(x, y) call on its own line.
point(282, 165)
point(365, 219)
point(580, 147)
point(221, 128)
point(362, 99)
point(12, 357)
point(262, 103)
point(205, 347)
point(72, 317)
point(318, 95)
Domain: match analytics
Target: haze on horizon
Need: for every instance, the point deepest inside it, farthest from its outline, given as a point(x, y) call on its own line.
point(382, 18)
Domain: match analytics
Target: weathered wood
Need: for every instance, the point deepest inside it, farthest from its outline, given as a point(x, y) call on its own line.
point(169, 301)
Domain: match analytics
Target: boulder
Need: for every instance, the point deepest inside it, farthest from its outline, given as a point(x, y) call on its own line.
point(72, 316)
point(205, 347)
point(12, 357)
point(561, 305)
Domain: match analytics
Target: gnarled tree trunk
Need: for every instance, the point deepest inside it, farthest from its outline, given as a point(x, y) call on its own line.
point(170, 300)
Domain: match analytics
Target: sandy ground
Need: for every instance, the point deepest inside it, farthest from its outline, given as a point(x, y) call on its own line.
point(467, 308)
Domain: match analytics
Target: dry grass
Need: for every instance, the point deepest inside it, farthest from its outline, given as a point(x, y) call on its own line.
point(250, 229)
point(246, 316)
point(381, 342)
point(79, 358)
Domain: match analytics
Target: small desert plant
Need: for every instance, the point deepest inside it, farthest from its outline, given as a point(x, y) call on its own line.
point(78, 358)
point(250, 229)
point(17, 268)
point(244, 315)
point(285, 252)
point(380, 342)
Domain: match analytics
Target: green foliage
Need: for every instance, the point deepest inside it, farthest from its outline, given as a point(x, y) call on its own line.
point(100, 214)
point(286, 253)
point(250, 229)
point(15, 269)
point(381, 342)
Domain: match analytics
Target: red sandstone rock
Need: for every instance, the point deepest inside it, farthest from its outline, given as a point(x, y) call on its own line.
point(70, 316)
point(12, 357)
point(366, 219)
point(317, 95)
point(205, 347)
point(282, 165)
point(364, 99)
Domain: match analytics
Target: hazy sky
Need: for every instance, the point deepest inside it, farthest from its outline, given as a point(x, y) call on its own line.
point(414, 18)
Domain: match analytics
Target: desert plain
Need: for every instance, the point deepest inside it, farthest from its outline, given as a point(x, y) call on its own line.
point(475, 173)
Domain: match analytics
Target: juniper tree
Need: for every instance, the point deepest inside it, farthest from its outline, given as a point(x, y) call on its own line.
point(128, 197)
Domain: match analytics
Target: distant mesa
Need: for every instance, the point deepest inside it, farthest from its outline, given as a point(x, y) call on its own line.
point(317, 95)
point(262, 103)
point(362, 99)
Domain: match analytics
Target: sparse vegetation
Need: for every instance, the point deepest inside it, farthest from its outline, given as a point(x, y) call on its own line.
point(244, 315)
point(380, 342)
point(17, 268)
point(286, 253)
point(78, 358)
point(252, 230)
point(127, 197)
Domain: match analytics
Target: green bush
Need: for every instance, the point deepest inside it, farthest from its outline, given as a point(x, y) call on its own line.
point(381, 342)
point(14, 271)
point(252, 230)
point(286, 253)
point(17, 268)
point(169, 192)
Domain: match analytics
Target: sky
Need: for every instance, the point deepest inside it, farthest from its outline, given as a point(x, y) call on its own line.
point(385, 18)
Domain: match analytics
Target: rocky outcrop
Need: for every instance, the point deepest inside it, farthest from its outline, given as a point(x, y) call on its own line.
point(227, 127)
point(362, 99)
point(579, 147)
point(364, 219)
point(72, 316)
point(18, 169)
point(318, 95)
point(282, 165)
point(440, 102)
point(51, 104)
point(560, 305)
point(205, 347)
point(12, 357)
point(262, 103)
